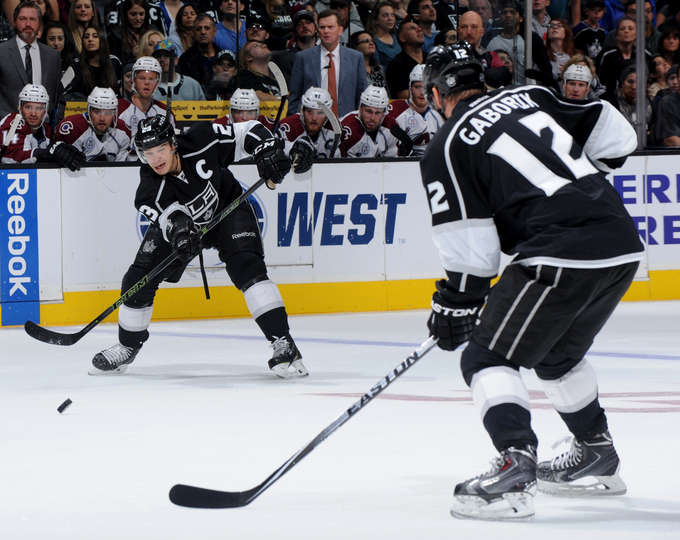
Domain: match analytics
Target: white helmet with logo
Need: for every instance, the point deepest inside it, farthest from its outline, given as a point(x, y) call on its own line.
point(416, 74)
point(244, 99)
point(375, 96)
point(34, 93)
point(314, 95)
point(146, 63)
point(578, 72)
point(102, 98)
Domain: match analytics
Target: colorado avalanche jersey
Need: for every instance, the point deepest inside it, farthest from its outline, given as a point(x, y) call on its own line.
point(18, 148)
point(205, 185)
point(293, 127)
point(419, 127)
point(114, 145)
point(131, 115)
point(520, 171)
point(358, 143)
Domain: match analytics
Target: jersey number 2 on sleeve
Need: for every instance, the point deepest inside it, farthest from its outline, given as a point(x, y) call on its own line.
point(528, 165)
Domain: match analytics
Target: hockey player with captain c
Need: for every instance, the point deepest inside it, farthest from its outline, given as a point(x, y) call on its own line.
point(184, 183)
point(519, 170)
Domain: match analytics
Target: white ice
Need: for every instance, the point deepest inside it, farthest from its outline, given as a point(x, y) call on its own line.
point(198, 407)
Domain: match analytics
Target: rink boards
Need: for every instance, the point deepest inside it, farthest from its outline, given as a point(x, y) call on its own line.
point(348, 236)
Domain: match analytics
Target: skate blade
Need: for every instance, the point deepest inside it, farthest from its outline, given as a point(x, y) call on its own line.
point(588, 486)
point(96, 371)
point(512, 507)
point(291, 371)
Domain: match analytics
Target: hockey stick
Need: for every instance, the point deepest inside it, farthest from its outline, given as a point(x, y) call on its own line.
point(283, 89)
point(335, 124)
point(197, 497)
point(58, 338)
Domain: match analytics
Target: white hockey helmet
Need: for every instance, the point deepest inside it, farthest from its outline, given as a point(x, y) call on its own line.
point(102, 98)
point(375, 96)
point(416, 74)
point(34, 93)
point(314, 95)
point(578, 72)
point(244, 99)
point(146, 63)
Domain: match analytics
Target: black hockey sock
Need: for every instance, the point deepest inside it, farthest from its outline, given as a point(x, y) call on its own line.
point(587, 422)
point(132, 339)
point(509, 424)
point(274, 323)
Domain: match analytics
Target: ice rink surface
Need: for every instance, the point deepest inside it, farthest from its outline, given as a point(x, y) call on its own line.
point(199, 407)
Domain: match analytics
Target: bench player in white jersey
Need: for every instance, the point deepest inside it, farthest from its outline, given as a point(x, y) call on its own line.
point(98, 133)
point(305, 134)
point(26, 137)
point(146, 76)
point(522, 171)
point(244, 105)
point(414, 115)
point(368, 133)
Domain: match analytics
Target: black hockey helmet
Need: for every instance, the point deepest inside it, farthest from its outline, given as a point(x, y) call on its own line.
point(153, 132)
point(452, 68)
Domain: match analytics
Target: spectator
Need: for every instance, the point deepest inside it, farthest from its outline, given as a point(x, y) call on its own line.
point(414, 116)
point(257, 28)
point(365, 44)
point(422, 11)
point(94, 67)
point(343, 73)
point(23, 60)
point(576, 81)
point(448, 12)
point(98, 133)
point(127, 88)
point(652, 35)
point(382, 25)
point(446, 37)
point(48, 8)
point(483, 7)
point(255, 72)
point(411, 39)
point(276, 13)
point(146, 75)
point(226, 30)
point(169, 10)
point(183, 87)
point(182, 29)
point(304, 134)
point(364, 134)
point(668, 16)
point(509, 39)
point(81, 15)
point(343, 8)
point(124, 38)
point(117, 15)
point(615, 10)
point(589, 36)
point(669, 45)
point(625, 98)
point(197, 62)
point(148, 42)
point(304, 37)
point(658, 68)
point(471, 30)
point(225, 69)
point(560, 45)
point(355, 20)
point(666, 128)
point(57, 36)
point(540, 20)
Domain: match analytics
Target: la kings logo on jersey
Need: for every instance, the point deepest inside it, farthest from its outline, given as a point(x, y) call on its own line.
point(203, 206)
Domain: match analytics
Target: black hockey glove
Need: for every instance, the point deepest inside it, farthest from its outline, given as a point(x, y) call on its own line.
point(302, 154)
point(405, 144)
point(272, 163)
point(184, 236)
point(62, 153)
point(453, 316)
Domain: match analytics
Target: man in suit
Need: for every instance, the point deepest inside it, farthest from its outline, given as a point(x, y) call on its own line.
point(330, 66)
point(23, 60)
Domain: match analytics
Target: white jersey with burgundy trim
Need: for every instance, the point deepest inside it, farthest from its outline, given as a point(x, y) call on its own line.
point(293, 127)
point(516, 171)
point(358, 143)
point(419, 127)
point(20, 146)
point(205, 185)
point(114, 145)
point(131, 115)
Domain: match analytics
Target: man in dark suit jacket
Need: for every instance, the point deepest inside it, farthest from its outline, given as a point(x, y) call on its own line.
point(44, 66)
point(312, 68)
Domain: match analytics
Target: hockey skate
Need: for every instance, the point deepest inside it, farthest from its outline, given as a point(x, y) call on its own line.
point(588, 468)
point(505, 492)
point(287, 360)
point(115, 359)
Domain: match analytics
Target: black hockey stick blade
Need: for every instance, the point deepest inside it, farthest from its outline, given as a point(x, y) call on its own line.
point(51, 337)
point(198, 497)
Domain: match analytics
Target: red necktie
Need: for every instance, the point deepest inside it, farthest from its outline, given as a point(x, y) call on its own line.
point(332, 87)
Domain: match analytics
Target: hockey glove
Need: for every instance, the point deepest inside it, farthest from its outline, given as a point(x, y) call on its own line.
point(405, 144)
point(62, 153)
point(184, 236)
point(453, 316)
point(272, 163)
point(302, 154)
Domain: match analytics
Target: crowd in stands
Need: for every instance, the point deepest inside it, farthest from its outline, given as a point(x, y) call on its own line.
point(364, 57)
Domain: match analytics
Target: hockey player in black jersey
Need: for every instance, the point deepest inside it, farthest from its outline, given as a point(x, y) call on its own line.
point(184, 183)
point(521, 171)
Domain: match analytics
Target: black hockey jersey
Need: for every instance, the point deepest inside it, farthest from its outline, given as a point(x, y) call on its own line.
point(519, 170)
point(205, 185)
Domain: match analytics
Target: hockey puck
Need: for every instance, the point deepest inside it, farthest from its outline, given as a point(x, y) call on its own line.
point(64, 406)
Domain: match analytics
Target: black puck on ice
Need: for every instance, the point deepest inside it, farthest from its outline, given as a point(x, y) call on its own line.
point(64, 406)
